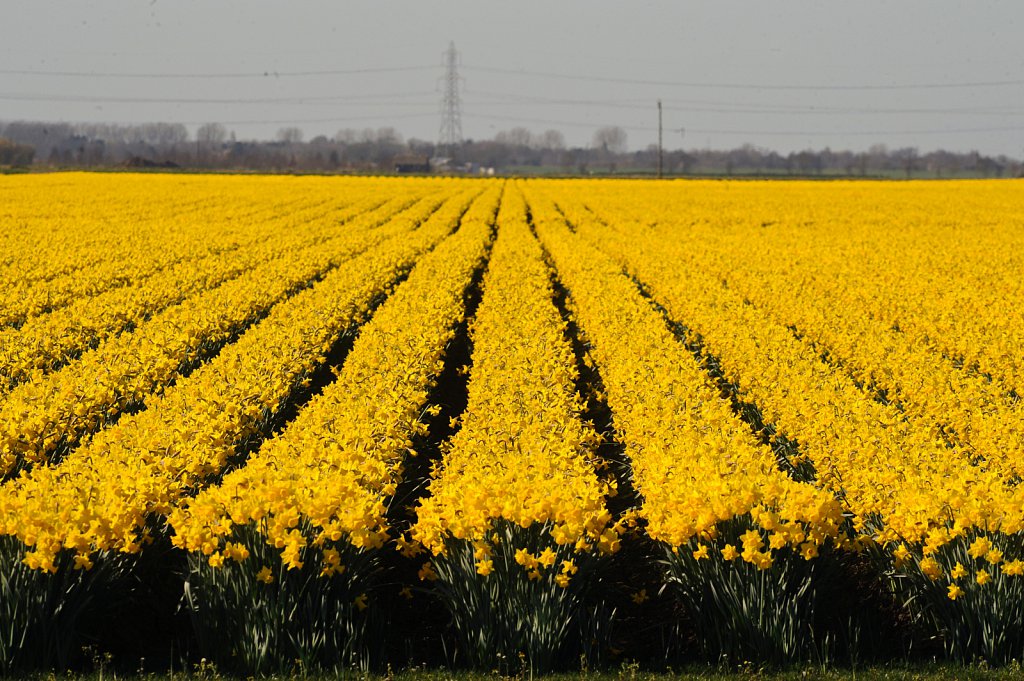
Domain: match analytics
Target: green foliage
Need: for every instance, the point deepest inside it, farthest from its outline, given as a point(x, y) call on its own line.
point(776, 616)
point(512, 623)
point(985, 622)
point(42, 614)
point(300, 620)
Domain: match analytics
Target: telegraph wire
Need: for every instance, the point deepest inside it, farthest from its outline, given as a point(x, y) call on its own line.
point(350, 119)
point(567, 124)
point(749, 86)
point(710, 131)
point(271, 73)
point(511, 99)
point(246, 74)
point(333, 100)
point(577, 124)
point(731, 107)
point(486, 100)
point(877, 133)
point(382, 120)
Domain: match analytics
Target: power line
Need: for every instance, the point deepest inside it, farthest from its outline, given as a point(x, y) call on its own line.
point(333, 101)
point(789, 110)
point(273, 73)
point(719, 106)
point(396, 100)
point(451, 122)
point(334, 119)
point(284, 121)
point(840, 111)
point(568, 124)
point(878, 133)
point(806, 133)
point(249, 74)
point(575, 124)
point(747, 86)
point(857, 109)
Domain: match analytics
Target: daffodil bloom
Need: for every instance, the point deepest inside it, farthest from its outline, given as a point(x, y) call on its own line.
point(769, 329)
point(931, 568)
point(521, 432)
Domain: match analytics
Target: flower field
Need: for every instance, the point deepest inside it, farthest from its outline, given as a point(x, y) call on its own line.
point(509, 424)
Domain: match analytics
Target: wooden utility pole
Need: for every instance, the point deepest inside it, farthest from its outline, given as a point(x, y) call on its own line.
point(661, 154)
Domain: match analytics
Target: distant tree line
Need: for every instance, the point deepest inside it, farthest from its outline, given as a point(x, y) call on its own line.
point(14, 154)
point(878, 160)
point(518, 150)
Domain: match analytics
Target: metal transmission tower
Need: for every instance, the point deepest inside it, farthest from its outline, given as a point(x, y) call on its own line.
point(450, 136)
point(661, 149)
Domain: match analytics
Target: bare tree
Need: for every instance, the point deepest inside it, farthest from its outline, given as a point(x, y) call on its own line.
point(388, 136)
point(345, 136)
point(12, 154)
point(611, 139)
point(878, 156)
point(908, 159)
point(289, 135)
point(163, 134)
point(211, 134)
point(516, 137)
point(552, 139)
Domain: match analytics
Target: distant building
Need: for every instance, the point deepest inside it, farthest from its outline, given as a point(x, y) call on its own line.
point(441, 163)
point(412, 164)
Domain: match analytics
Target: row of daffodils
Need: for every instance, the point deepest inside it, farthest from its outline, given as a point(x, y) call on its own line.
point(747, 399)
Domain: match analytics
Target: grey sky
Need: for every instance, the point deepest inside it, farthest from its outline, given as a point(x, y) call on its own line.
point(723, 68)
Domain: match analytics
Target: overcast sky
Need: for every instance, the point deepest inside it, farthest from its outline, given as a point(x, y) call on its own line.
point(782, 74)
